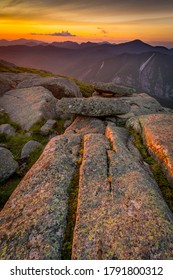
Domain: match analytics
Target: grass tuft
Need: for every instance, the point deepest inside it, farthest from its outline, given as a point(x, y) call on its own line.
point(7, 188)
point(66, 250)
point(4, 119)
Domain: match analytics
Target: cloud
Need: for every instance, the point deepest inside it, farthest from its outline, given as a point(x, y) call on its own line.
point(103, 6)
point(56, 34)
point(102, 30)
point(12, 3)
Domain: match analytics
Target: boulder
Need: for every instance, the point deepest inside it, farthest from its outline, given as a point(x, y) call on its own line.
point(29, 105)
point(113, 89)
point(17, 77)
point(157, 133)
point(5, 85)
point(47, 127)
point(60, 87)
point(2, 111)
point(29, 147)
point(143, 104)
point(8, 165)
point(7, 129)
point(95, 107)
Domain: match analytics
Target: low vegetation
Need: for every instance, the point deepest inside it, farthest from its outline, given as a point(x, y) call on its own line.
point(17, 69)
point(4, 118)
point(8, 187)
point(86, 89)
point(66, 250)
point(15, 145)
point(159, 176)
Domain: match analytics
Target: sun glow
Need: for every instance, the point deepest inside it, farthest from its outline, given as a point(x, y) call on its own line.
point(110, 21)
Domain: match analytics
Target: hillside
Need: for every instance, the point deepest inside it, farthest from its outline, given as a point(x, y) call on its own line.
point(91, 62)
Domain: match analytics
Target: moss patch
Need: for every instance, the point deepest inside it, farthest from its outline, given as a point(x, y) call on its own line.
point(86, 89)
point(159, 176)
point(35, 154)
point(4, 119)
point(59, 126)
point(17, 69)
point(7, 188)
point(36, 135)
point(15, 145)
point(66, 250)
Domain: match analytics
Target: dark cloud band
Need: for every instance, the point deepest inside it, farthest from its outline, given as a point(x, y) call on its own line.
point(56, 34)
point(111, 5)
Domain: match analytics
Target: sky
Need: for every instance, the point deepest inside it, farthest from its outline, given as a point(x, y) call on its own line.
point(93, 20)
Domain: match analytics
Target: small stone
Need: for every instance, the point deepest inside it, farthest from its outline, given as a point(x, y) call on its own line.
point(47, 127)
point(28, 134)
point(112, 88)
point(8, 165)
point(7, 129)
point(29, 147)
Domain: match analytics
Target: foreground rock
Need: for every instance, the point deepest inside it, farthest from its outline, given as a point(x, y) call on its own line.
point(114, 89)
point(157, 133)
point(121, 214)
point(7, 164)
point(60, 87)
point(95, 107)
point(27, 106)
point(7, 129)
point(29, 147)
point(33, 221)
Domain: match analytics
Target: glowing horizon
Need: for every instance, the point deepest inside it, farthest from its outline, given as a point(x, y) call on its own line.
point(80, 21)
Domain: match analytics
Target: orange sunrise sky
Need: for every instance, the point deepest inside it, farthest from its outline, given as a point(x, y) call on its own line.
point(80, 21)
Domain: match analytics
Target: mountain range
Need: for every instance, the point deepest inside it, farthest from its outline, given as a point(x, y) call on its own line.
point(145, 67)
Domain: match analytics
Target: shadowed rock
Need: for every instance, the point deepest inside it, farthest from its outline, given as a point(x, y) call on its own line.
point(5, 85)
point(17, 77)
point(29, 105)
point(114, 89)
point(7, 164)
point(60, 87)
